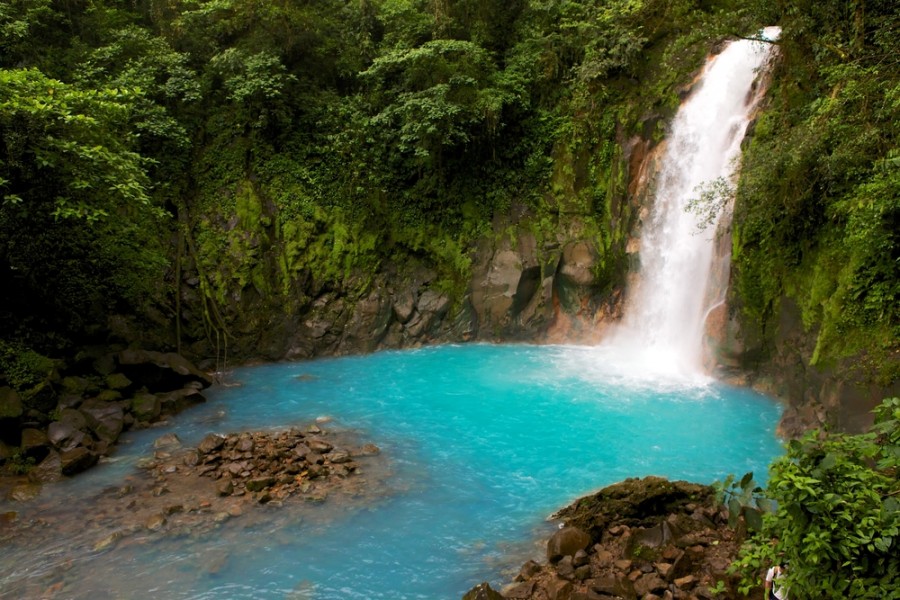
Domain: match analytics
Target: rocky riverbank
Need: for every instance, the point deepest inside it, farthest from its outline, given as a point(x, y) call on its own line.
point(68, 421)
point(180, 492)
point(647, 539)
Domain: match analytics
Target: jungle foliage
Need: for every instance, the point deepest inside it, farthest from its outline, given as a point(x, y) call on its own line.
point(832, 513)
point(264, 144)
point(818, 205)
point(275, 142)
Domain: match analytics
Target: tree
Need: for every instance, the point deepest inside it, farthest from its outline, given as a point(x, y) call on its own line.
point(76, 217)
point(837, 521)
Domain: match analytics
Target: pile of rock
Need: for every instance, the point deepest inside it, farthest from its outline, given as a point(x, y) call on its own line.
point(647, 539)
point(66, 423)
point(265, 466)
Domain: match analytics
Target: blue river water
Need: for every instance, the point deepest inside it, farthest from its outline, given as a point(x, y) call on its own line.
point(484, 442)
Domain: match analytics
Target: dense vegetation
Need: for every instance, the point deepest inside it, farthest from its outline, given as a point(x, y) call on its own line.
point(832, 514)
point(280, 147)
point(818, 211)
point(264, 143)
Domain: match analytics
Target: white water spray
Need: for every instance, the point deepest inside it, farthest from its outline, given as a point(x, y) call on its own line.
point(662, 332)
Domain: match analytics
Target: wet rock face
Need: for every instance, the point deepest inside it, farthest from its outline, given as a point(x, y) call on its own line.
point(91, 410)
point(639, 539)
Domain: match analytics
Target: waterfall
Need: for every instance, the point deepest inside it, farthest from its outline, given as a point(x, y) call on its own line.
point(666, 305)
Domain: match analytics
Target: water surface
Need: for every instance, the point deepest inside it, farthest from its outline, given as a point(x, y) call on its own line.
point(484, 443)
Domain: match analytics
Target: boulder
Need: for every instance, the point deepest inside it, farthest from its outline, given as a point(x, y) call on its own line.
point(117, 381)
point(75, 418)
point(42, 397)
point(211, 443)
point(174, 402)
point(48, 470)
point(559, 589)
point(649, 583)
point(259, 483)
point(160, 372)
point(146, 407)
point(64, 436)
point(77, 460)
point(482, 591)
point(320, 446)
point(34, 441)
point(106, 420)
point(567, 542)
point(10, 403)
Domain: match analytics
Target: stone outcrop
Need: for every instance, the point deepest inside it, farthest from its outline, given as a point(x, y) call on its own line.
point(67, 423)
point(640, 539)
point(839, 397)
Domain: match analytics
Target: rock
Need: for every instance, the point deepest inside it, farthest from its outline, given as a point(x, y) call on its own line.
point(23, 492)
point(146, 407)
point(169, 440)
point(482, 591)
point(34, 443)
point(73, 417)
point(566, 542)
point(565, 568)
point(156, 522)
point(613, 586)
point(319, 446)
point(76, 460)
point(558, 589)
point(48, 470)
point(685, 583)
point(521, 591)
point(108, 542)
point(583, 572)
point(64, 436)
point(366, 450)
point(106, 420)
point(160, 372)
point(652, 537)
point(575, 274)
point(528, 570)
point(259, 483)
point(174, 402)
point(117, 381)
point(403, 305)
point(338, 456)
point(10, 403)
point(224, 487)
point(211, 443)
point(42, 397)
point(648, 583)
point(636, 502)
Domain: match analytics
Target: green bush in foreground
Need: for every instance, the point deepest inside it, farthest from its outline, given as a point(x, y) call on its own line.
point(837, 519)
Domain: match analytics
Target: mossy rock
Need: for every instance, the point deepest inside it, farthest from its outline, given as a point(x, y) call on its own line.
point(634, 502)
point(10, 403)
point(117, 381)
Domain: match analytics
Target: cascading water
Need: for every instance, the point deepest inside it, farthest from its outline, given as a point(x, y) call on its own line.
point(665, 310)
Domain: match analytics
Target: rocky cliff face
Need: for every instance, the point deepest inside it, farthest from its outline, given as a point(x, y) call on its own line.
point(524, 284)
point(780, 363)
